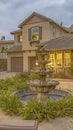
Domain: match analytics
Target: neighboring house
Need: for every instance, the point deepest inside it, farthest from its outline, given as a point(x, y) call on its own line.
point(4, 45)
point(34, 30)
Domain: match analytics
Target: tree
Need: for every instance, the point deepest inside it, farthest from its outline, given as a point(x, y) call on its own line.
point(3, 50)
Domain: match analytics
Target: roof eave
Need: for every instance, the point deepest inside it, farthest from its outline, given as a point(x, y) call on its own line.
point(16, 31)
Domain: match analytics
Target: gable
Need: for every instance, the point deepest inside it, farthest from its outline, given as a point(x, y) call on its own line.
point(35, 19)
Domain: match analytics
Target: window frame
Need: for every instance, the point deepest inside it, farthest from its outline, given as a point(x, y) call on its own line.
point(52, 58)
point(19, 38)
point(33, 32)
point(61, 59)
point(64, 58)
point(30, 39)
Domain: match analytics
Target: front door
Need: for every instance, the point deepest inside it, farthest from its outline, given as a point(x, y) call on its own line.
point(32, 61)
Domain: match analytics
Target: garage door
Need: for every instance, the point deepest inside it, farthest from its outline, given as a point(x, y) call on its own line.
point(17, 64)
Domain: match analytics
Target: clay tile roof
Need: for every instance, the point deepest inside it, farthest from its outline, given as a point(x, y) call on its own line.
point(15, 48)
point(60, 43)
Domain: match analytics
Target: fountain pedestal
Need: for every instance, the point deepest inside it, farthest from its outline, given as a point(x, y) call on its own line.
point(42, 96)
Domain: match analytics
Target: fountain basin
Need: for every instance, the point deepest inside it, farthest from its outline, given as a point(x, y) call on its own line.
point(55, 94)
point(39, 86)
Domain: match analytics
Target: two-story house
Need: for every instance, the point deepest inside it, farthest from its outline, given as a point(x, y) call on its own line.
point(34, 30)
point(4, 45)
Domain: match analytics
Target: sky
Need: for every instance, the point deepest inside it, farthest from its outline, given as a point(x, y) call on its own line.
point(13, 12)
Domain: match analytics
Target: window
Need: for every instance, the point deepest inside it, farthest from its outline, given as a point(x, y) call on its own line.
point(59, 59)
point(67, 60)
point(52, 59)
point(19, 38)
point(35, 34)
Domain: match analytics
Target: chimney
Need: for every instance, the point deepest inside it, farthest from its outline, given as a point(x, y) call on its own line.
point(3, 38)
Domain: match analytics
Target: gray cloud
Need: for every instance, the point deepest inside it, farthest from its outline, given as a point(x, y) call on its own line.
point(13, 12)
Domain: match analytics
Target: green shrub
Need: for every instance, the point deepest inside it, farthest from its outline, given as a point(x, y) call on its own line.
point(13, 84)
point(49, 109)
point(10, 104)
point(25, 75)
point(34, 76)
point(8, 101)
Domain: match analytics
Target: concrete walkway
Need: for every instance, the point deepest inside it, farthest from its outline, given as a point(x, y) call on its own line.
point(56, 124)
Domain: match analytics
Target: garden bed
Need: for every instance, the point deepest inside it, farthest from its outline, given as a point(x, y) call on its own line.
point(33, 110)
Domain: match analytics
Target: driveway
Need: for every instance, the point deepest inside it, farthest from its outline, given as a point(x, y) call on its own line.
point(6, 74)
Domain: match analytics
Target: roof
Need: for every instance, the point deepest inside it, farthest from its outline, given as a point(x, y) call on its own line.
point(60, 43)
point(16, 31)
point(41, 16)
point(71, 28)
point(6, 41)
point(15, 48)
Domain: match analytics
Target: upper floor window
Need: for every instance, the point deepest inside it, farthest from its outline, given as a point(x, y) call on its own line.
point(35, 34)
point(19, 38)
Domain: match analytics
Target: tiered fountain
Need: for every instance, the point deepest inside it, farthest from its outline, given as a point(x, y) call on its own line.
point(44, 85)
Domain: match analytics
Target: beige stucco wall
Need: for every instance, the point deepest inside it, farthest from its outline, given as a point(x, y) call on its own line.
point(16, 38)
point(58, 31)
point(26, 54)
point(45, 34)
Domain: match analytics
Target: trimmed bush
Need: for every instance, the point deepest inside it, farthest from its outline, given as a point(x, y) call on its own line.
point(10, 104)
point(49, 109)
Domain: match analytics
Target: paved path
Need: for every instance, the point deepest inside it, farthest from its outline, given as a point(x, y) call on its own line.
point(65, 84)
point(56, 124)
